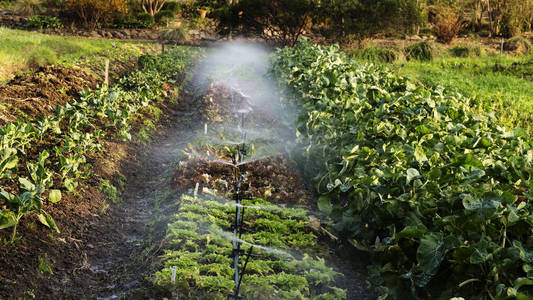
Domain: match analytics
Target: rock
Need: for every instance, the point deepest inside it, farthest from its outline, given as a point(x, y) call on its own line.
point(127, 33)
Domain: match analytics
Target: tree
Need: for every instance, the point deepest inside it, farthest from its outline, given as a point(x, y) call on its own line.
point(509, 17)
point(94, 13)
point(281, 21)
point(152, 7)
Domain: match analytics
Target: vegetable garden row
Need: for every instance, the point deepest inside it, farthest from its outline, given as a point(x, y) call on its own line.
point(438, 193)
point(44, 157)
point(196, 261)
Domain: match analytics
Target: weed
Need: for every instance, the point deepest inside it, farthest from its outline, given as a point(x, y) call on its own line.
point(109, 190)
point(422, 51)
point(518, 45)
point(44, 265)
point(378, 55)
point(30, 293)
point(466, 51)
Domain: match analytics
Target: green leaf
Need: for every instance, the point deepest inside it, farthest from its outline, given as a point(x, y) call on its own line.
point(324, 204)
point(520, 282)
point(26, 184)
point(420, 154)
point(51, 222)
point(486, 208)
point(11, 163)
point(476, 174)
point(54, 196)
point(481, 252)
point(431, 252)
point(70, 184)
point(411, 174)
point(7, 219)
point(413, 232)
point(48, 221)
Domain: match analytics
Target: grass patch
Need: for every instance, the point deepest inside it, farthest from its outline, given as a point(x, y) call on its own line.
point(492, 81)
point(22, 50)
point(377, 54)
point(518, 45)
point(466, 51)
point(422, 51)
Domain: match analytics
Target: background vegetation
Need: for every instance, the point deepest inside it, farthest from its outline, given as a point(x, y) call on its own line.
point(22, 50)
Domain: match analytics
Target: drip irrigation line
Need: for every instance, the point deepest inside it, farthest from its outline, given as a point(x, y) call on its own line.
point(238, 224)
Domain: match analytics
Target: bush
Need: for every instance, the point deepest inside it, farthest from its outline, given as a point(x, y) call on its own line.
point(518, 45)
point(466, 51)
point(164, 16)
point(379, 55)
point(142, 20)
point(146, 20)
point(175, 34)
point(447, 25)
point(281, 21)
point(28, 7)
point(95, 13)
point(53, 3)
point(43, 22)
point(423, 51)
point(174, 7)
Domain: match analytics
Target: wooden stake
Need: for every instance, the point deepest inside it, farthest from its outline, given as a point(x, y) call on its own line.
point(106, 75)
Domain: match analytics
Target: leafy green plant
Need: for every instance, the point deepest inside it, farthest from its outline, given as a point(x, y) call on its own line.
point(199, 249)
point(173, 6)
point(109, 190)
point(73, 131)
point(44, 265)
point(43, 22)
point(141, 20)
point(433, 189)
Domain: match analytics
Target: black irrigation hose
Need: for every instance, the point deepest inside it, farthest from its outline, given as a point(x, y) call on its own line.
point(239, 221)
